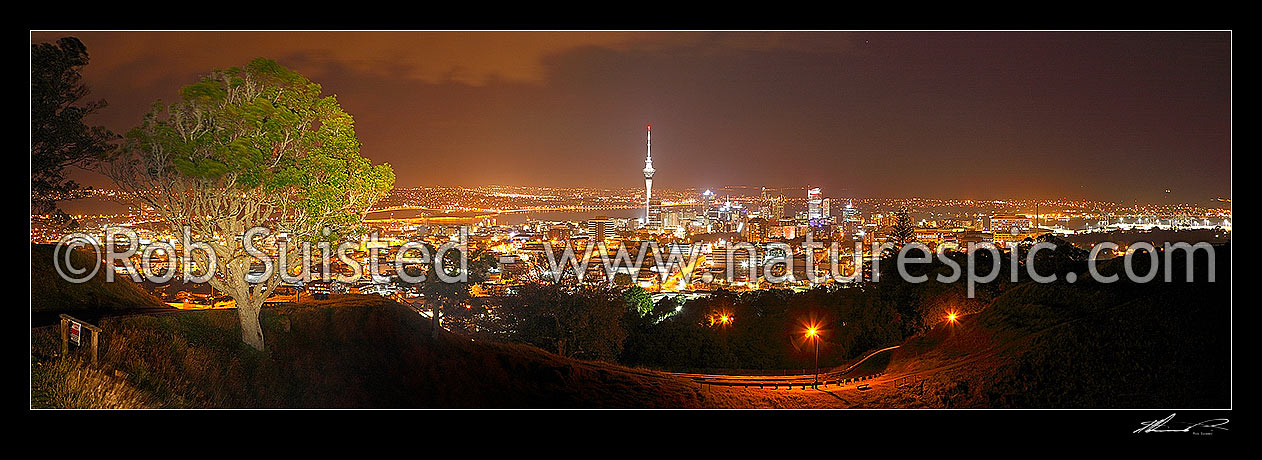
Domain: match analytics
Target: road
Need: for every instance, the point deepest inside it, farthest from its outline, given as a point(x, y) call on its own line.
point(831, 376)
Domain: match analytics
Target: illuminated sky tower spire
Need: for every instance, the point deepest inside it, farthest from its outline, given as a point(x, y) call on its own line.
point(648, 175)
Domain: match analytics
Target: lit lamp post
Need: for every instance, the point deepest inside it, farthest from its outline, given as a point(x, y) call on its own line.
point(812, 333)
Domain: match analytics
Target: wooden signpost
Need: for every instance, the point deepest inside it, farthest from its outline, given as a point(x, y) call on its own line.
point(72, 331)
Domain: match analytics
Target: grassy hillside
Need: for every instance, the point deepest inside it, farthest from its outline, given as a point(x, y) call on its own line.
point(1059, 345)
point(51, 293)
point(351, 351)
point(1083, 345)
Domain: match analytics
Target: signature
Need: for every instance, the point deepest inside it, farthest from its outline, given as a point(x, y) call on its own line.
point(1166, 426)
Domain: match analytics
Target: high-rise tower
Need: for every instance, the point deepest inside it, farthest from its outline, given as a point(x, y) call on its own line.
point(814, 204)
point(648, 177)
point(708, 210)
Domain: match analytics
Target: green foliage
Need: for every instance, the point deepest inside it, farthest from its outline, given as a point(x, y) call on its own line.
point(639, 301)
point(249, 147)
point(265, 129)
point(623, 280)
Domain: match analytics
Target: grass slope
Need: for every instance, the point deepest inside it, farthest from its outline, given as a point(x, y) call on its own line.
point(1086, 345)
point(351, 351)
point(51, 293)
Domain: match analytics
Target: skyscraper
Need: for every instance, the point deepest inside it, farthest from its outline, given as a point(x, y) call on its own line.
point(707, 204)
point(850, 222)
point(601, 228)
point(764, 206)
point(648, 177)
point(756, 230)
point(814, 208)
point(777, 209)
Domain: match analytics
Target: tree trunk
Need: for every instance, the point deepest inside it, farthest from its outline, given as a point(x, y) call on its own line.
point(251, 330)
point(434, 322)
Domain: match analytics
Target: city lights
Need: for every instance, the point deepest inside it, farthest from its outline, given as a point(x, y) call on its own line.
point(456, 219)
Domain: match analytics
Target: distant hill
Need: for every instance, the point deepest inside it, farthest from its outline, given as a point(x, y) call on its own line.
point(51, 293)
point(1085, 345)
point(350, 351)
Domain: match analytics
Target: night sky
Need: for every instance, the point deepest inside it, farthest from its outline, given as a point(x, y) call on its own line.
point(1097, 115)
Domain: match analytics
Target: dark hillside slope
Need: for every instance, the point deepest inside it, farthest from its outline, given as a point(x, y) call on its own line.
point(1086, 345)
point(350, 351)
point(52, 294)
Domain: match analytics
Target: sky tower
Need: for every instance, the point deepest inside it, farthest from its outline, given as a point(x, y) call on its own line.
point(648, 176)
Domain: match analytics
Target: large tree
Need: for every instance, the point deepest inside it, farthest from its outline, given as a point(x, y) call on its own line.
point(579, 322)
point(59, 135)
point(249, 147)
point(454, 300)
point(902, 231)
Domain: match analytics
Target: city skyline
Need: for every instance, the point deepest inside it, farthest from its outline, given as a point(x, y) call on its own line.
point(1042, 115)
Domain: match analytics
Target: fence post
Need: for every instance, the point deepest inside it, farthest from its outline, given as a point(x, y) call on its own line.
point(92, 329)
point(65, 336)
point(95, 333)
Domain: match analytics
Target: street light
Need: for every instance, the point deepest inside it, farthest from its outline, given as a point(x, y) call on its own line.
point(812, 333)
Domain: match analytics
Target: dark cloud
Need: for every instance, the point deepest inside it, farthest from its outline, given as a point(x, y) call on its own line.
point(1095, 115)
